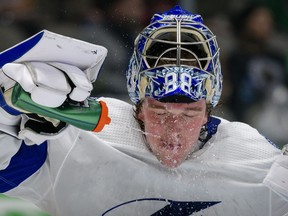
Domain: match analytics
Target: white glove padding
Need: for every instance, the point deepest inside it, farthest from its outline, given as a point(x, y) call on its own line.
point(50, 83)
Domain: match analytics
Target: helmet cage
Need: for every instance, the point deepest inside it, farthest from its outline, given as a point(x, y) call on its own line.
point(178, 45)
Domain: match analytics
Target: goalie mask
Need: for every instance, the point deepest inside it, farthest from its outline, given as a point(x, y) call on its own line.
point(176, 55)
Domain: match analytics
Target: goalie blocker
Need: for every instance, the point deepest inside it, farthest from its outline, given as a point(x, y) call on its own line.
point(51, 75)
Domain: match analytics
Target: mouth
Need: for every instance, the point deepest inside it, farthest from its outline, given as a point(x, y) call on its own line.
point(171, 146)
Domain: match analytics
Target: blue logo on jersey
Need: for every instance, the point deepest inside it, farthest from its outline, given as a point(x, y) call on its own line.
point(174, 208)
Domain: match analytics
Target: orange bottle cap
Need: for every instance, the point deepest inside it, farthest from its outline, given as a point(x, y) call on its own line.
point(104, 118)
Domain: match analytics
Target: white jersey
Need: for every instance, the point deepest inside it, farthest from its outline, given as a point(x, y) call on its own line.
point(113, 173)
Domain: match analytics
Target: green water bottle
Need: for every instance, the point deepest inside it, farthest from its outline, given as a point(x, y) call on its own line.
point(92, 117)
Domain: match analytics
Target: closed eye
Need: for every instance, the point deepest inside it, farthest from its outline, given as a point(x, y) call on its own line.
point(158, 111)
point(191, 113)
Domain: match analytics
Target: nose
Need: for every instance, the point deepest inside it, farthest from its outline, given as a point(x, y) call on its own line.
point(172, 134)
point(172, 124)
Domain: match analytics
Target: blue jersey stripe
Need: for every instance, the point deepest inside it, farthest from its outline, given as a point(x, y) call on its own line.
point(23, 164)
point(14, 53)
point(212, 125)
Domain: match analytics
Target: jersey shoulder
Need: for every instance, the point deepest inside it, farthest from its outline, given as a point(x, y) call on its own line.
point(124, 130)
point(237, 142)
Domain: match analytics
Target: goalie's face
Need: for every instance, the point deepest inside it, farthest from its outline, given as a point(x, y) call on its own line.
point(172, 129)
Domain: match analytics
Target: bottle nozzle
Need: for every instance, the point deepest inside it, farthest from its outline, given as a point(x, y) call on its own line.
point(104, 118)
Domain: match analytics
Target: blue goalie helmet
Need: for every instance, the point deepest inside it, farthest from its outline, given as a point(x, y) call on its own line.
point(176, 55)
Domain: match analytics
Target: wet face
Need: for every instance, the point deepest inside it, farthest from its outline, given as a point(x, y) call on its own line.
point(172, 129)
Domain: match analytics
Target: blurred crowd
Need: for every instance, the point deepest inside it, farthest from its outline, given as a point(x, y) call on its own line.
point(252, 38)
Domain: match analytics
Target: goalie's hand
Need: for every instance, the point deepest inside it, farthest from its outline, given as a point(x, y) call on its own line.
point(50, 83)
